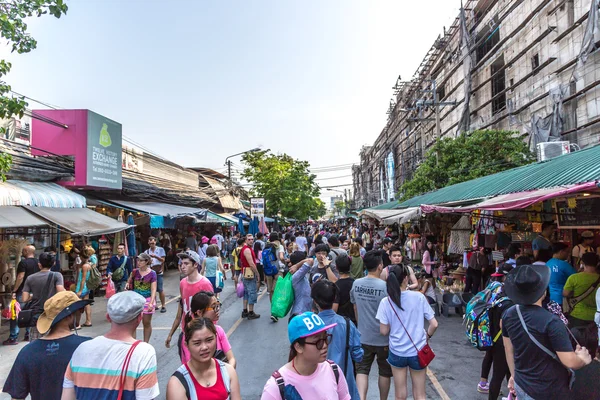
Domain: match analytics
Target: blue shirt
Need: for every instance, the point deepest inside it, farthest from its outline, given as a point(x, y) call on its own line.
point(302, 299)
point(40, 368)
point(559, 272)
point(337, 347)
point(115, 262)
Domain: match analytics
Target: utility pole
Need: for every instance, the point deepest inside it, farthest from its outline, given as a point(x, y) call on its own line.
point(229, 169)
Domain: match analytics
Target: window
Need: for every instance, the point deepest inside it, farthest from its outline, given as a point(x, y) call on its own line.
point(440, 92)
point(487, 38)
point(498, 85)
point(535, 61)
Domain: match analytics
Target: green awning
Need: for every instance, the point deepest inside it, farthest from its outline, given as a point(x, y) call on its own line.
point(386, 206)
point(569, 169)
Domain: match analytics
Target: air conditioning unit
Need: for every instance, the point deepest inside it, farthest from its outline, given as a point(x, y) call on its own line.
point(548, 150)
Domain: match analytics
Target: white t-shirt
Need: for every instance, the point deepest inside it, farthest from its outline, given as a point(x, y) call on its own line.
point(597, 316)
point(220, 240)
point(301, 243)
point(416, 310)
point(159, 252)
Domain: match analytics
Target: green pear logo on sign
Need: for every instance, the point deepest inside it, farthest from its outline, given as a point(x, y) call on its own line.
point(105, 140)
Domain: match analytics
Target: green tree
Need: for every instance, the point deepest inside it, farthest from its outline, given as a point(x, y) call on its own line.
point(451, 161)
point(339, 207)
point(14, 29)
point(286, 184)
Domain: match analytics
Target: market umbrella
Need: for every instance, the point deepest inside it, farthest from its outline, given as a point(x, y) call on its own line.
point(253, 228)
point(131, 236)
point(241, 226)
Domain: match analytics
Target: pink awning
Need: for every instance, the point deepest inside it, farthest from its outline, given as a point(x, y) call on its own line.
point(513, 201)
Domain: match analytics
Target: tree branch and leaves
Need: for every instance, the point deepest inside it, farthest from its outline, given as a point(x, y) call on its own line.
point(467, 157)
point(13, 28)
point(286, 184)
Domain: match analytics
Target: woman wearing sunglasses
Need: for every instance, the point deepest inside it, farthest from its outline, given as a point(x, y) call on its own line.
point(203, 377)
point(206, 305)
point(308, 374)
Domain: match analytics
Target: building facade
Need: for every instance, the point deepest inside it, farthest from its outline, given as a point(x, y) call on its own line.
point(528, 66)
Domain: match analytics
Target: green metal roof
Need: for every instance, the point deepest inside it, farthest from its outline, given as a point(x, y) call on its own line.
point(386, 206)
point(569, 169)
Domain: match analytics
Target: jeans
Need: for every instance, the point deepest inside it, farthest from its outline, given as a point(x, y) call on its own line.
point(403, 362)
point(14, 328)
point(250, 290)
point(159, 284)
point(521, 395)
point(120, 286)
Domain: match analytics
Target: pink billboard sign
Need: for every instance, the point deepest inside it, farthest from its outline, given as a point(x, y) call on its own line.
point(94, 140)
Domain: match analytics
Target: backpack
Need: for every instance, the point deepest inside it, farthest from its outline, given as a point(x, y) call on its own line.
point(281, 383)
point(478, 318)
point(269, 261)
point(94, 279)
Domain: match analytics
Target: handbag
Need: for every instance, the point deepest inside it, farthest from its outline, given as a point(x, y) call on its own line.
point(219, 280)
point(544, 349)
point(426, 354)
point(125, 367)
point(569, 303)
point(29, 313)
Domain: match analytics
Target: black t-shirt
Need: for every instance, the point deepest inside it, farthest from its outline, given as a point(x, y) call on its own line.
point(538, 374)
point(345, 308)
point(30, 267)
point(40, 368)
point(386, 258)
point(586, 385)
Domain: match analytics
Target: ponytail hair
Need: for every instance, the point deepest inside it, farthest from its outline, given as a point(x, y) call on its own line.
point(200, 302)
point(397, 274)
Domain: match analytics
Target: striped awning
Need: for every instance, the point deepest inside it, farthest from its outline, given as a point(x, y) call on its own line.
point(38, 194)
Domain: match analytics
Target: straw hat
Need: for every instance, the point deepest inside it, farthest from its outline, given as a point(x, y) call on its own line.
point(57, 308)
point(458, 271)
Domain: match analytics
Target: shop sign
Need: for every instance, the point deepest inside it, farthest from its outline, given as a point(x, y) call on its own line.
point(585, 214)
point(104, 159)
point(257, 207)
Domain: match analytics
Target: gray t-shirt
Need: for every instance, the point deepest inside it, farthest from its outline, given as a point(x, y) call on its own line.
point(34, 285)
point(367, 293)
point(335, 253)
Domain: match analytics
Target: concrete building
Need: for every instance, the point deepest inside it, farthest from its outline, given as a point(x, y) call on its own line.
point(528, 66)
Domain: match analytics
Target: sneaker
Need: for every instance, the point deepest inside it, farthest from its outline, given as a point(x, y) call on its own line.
point(253, 315)
point(274, 318)
point(483, 387)
point(10, 342)
point(26, 338)
point(163, 310)
point(245, 314)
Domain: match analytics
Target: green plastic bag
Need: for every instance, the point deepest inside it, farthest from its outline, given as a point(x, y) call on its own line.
point(283, 297)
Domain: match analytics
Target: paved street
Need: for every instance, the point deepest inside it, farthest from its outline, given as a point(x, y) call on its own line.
point(260, 346)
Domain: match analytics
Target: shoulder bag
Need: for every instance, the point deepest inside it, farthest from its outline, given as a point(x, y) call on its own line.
point(569, 303)
point(425, 355)
point(27, 316)
point(125, 368)
point(544, 349)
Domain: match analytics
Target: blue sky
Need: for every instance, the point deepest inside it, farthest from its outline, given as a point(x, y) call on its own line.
point(196, 81)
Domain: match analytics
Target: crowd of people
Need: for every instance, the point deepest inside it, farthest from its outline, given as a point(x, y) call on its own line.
point(355, 301)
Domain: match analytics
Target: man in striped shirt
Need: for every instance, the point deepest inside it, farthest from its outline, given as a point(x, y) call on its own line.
point(97, 365)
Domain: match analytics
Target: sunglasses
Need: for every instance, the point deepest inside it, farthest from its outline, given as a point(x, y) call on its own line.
point(319, 344)
point(214, 308)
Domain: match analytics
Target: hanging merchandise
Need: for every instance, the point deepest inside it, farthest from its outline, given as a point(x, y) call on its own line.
point(460, 235)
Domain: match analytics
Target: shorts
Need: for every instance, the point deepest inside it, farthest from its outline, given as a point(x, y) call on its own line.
point(250, 291)
point(271, 280)
point(159, 283)
point(382, 352)
point(403, 362)
point(213, 282)
point(237, 272)
point(147, 309)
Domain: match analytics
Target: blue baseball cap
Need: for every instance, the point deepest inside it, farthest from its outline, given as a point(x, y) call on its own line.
point(305, 325)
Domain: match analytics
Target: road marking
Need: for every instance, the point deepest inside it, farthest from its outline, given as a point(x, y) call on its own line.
point(239, 321)
point(436, 385)
point(173, 299)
